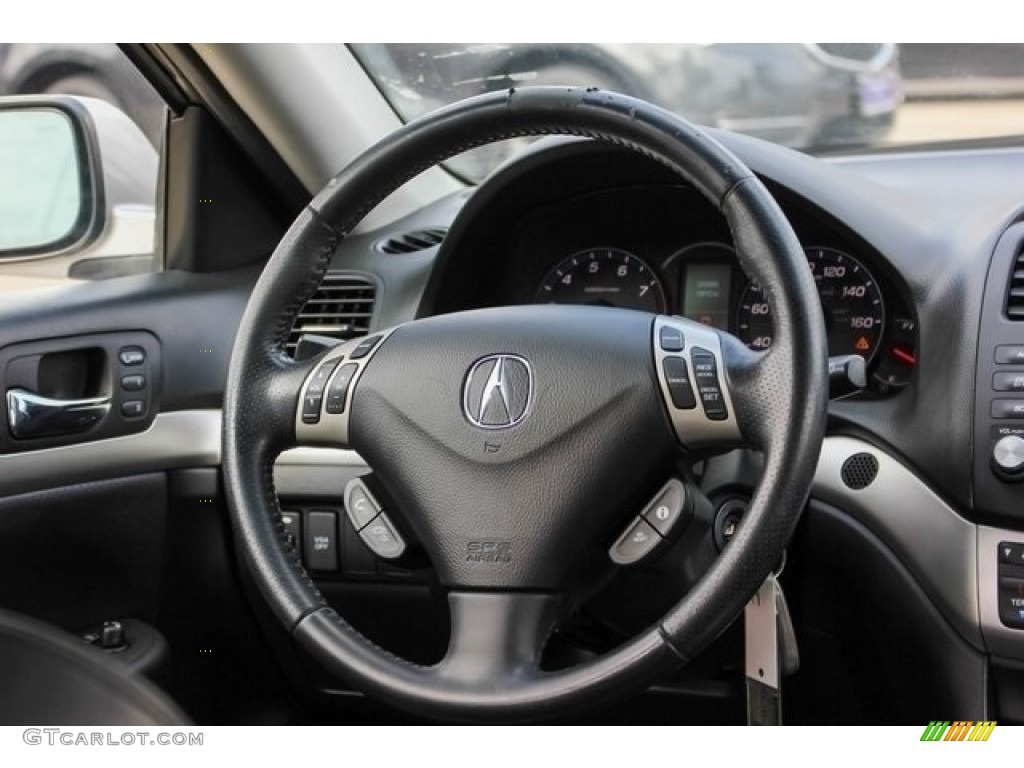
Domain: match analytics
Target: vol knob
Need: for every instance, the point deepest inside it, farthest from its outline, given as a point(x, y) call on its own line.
point(1008, 457)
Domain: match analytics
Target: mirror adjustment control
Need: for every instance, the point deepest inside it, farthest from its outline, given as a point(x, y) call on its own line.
point(360, 505)
point(636, 542)
point(380, 536)
point(666, 508)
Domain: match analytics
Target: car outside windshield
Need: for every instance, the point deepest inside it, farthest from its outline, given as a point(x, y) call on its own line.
point(817, 97)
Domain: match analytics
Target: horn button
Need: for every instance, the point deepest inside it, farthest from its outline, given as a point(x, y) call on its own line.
point(522, 431)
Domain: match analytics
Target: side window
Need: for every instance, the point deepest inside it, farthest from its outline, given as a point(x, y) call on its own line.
point(80, 142)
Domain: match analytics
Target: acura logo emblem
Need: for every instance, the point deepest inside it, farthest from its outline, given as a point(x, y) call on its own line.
point(498, 391)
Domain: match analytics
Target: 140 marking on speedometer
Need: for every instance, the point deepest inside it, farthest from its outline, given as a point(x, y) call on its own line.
point(850, 301)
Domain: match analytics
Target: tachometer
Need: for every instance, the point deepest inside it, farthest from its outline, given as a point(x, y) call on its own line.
point(608, 277)
point(850, 300)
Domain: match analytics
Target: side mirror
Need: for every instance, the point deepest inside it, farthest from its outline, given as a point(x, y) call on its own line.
point(48, 198)
point(78, 189)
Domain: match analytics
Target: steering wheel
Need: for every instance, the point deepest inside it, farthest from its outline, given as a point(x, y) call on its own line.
point(518, 442)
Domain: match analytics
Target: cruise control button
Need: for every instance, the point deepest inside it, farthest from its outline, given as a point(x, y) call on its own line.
point(1008, 409)
point(671, 339)
point(321, 542)
point(1010, 354)
point(636, 543)
point(337, 392)
point(311, 409)
point(705, 374)
point(1006, 381)
point(1011, 601)
point(677, 378)
point(318, 381)
point(667, 507)
point(381, 536)
point(364, 347)
point(360, 505)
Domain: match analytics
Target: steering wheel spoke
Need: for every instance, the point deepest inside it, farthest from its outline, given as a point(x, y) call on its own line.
point(691, 367)
point(324, 406)
point(496, 637)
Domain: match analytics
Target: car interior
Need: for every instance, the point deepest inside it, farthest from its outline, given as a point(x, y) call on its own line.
point(650, 423)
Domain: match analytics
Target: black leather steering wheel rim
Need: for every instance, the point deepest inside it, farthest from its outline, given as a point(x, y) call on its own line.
point(786, 392)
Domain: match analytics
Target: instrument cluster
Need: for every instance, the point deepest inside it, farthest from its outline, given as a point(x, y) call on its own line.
point(703, 282)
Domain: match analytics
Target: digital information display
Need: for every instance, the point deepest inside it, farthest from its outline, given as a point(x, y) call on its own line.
point(706, 294)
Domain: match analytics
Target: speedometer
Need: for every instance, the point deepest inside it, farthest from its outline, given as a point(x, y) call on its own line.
point(608, 277)
point(850, 300)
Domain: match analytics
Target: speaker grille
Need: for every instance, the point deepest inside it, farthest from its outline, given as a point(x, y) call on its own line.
point(859, 471)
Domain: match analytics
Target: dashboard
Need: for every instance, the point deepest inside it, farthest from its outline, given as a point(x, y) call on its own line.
point(653, 244)
point(910, 516)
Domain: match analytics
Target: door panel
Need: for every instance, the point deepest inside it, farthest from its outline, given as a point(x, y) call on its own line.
point(78, 555)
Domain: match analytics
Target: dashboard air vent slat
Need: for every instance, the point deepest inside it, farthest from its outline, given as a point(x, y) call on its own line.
point(1015, 290)
point(341, 307)
point(410, 242)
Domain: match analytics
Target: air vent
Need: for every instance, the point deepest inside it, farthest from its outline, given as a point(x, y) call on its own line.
point(341, 307)
point(410, 242)
point(1015, 291)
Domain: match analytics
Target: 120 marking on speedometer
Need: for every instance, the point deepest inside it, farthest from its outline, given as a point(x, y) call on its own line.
point(850, 301)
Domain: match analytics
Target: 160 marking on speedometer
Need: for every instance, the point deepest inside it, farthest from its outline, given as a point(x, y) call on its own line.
point(850, 301)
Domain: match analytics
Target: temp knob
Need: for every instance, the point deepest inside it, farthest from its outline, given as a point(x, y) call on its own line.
point(1008, 457)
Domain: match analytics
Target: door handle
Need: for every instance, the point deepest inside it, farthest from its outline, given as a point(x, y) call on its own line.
point(30, 415)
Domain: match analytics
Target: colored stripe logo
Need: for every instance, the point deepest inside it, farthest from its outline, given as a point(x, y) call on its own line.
point(959, 730)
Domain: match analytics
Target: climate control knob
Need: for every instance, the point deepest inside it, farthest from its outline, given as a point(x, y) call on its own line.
point(1008, 457)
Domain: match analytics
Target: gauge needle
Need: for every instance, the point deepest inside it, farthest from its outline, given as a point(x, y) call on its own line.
point(901, 354)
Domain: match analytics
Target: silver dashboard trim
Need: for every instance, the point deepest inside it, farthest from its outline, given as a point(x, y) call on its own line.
point(175, 440)
point(953, 559)
point(936, 544)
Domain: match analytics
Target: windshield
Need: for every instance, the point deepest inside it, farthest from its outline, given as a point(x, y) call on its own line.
point(817, 97)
